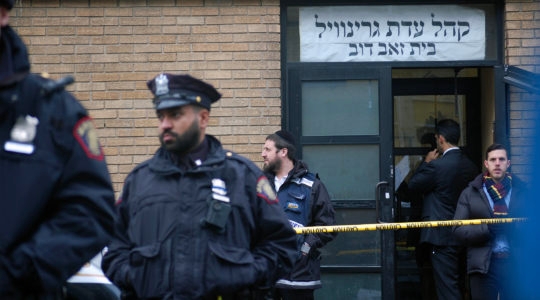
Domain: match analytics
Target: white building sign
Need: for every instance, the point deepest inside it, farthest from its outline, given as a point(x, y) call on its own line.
point(392, 33)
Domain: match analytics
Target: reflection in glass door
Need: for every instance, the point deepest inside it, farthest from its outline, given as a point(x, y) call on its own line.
point(344, 128)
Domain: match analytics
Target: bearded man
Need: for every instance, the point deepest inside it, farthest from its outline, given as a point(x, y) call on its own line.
point(306, 202)
point(196, 221)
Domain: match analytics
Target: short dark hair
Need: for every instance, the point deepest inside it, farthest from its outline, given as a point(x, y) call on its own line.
point(281, 143)
point(494, 147)
point(449, 129)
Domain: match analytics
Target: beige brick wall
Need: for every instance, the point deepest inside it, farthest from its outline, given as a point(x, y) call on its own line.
point(522, 30)
point(113, 47)
point(522, 49)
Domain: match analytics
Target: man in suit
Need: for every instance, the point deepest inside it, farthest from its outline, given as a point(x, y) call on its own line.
point(441, 177)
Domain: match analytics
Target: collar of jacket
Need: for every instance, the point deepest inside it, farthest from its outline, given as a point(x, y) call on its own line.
point(162, 163)
point(299, 170)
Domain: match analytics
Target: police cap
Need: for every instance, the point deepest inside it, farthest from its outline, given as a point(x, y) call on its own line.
point(178, 90)
point(6, 3)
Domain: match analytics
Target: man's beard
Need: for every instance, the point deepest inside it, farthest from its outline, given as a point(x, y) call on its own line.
point(184, 143)
point(272, 166)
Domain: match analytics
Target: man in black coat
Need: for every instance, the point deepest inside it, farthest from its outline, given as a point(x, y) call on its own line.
point(196, 221)
point(57, 200)
point(441, 177)
point(493, 194)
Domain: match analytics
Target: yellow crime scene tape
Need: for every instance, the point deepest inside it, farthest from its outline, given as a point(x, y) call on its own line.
point(402, 225)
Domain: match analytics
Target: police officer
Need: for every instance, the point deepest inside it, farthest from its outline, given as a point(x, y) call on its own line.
point(57, 201)
point(196, 221)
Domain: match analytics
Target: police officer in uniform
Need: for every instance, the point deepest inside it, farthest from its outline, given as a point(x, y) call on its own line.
point(57, 201)
point(196, 221)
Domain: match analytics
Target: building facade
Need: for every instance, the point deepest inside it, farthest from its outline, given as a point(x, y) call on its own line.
point(347, 78)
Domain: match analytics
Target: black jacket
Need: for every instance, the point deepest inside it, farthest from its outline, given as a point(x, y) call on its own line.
point(306, 202)
point(163, 248)
point(57, 208)
point(441, 182)
point(473, 204)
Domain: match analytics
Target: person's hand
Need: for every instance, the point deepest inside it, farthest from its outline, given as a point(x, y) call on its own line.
point(431, 155)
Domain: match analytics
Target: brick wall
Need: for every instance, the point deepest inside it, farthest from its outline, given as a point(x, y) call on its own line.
point(113, 47)
point(522, 49)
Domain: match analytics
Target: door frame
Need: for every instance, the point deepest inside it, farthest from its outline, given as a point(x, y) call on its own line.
point(291, 121)
point(471, 88)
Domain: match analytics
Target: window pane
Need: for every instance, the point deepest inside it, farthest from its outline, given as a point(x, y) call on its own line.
point(415, 117)
point(327, 104)
point(349, 286)
point(360, 248)
point(349, 172)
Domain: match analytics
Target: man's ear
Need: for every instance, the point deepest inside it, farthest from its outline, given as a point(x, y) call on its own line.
point(285, 152)
point(204, 117)
point(441, 139)
point(4, 16)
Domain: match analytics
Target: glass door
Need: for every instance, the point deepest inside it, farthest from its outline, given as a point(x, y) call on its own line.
point(342, 118)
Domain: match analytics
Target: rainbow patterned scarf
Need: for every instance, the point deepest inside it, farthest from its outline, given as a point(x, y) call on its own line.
point(497, 191)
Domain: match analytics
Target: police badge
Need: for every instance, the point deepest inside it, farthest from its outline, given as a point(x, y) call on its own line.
point(22, 135)
point(162, 85)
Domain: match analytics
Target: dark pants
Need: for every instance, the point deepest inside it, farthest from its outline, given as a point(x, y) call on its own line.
point(448, 264)
point(489, 286)
point(423, 261)
point(293, 294)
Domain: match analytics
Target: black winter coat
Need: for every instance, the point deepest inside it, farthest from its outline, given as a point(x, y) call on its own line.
point(56, 208)
point(473, 204)
point(162, 248)
point(314, 208)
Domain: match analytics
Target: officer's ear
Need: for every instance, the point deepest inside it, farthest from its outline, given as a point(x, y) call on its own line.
point(204, 117)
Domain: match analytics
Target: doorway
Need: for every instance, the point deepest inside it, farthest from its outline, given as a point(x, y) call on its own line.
point(363, 130)
point(422, 97)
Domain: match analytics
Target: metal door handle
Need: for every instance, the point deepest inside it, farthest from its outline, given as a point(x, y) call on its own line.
point(378, 188)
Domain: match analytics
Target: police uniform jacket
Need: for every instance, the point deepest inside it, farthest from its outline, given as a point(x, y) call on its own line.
point(474, 204)
point(57, 201)
point(164, 246)
point(441, 182)
point(306, 202)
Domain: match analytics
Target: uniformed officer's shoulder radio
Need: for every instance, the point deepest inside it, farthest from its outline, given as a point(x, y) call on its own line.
point(50, 86)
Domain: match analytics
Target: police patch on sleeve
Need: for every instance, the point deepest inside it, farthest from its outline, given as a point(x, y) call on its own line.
point(85, 133)
point(265, 190)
